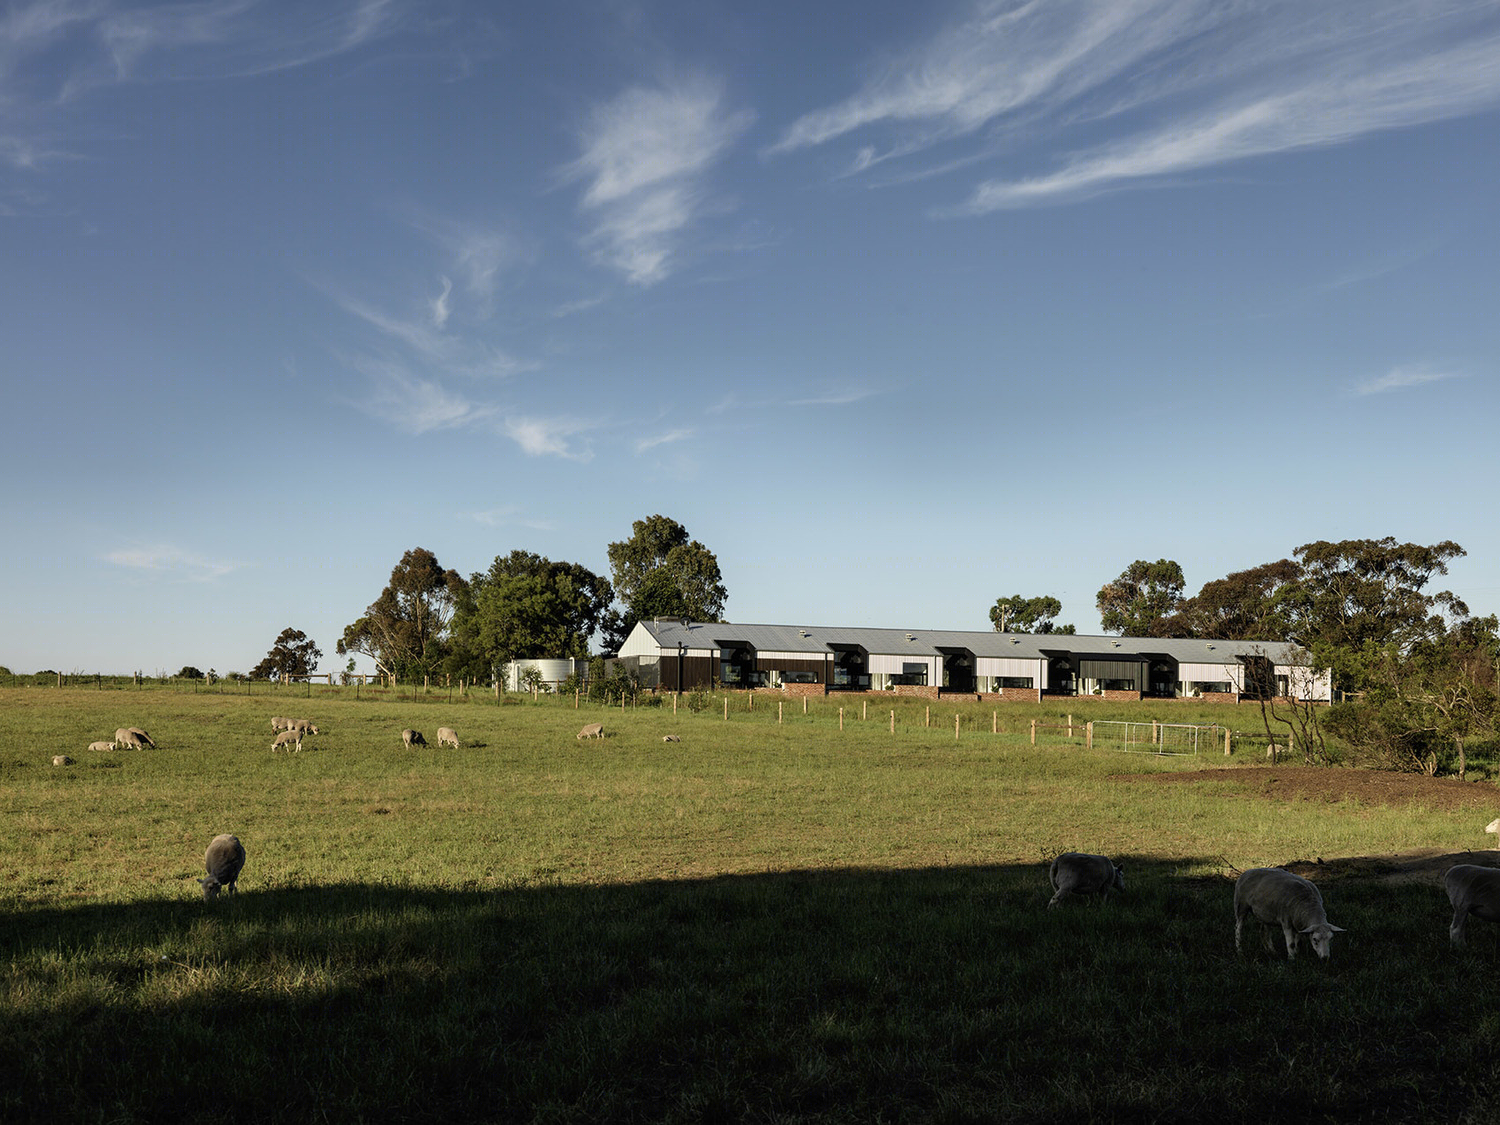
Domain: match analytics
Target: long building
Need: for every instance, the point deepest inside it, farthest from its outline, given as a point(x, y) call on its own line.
point(678, 655)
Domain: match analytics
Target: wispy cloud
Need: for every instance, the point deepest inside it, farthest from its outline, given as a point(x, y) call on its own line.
point(548, 437)
point(425, 337)
point(1403, 378)
point(439, 305)
point(668, 438)
point(166, 559)
point(646, 156)
point(509, 515)
point(1173, 86)
point(843, 397)
point(415, 403)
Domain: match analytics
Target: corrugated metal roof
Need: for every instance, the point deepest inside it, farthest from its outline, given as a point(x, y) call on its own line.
point(818, 640)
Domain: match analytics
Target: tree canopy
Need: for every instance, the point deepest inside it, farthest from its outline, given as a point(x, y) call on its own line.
point(660, 571)
point(1017, 614)
point(526, 605)
point(405, 629)
point(1142, 601)
point(293, 654)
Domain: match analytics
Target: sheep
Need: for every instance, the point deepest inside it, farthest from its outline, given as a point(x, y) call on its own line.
point(223, 859)
point(1276, 897)
point(280, 722)
point(1076, 873)
point(1494, 827)
point(61, 760)
point(670, 738)
point(287, 738)
point(447, 734)
point(413, 738)
point(302, 726)
point(127, 737)
point(1473, 890)
point(143, 736)
point(593, 730)
point(101, 745)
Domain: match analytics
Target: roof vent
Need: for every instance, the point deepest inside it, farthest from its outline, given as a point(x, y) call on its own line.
point(804, 632)
point(1117, 645)
point(1015, 640)
point(911, 636)
point(1210, 646)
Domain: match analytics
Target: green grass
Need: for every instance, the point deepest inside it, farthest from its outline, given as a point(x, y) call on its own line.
point(767, 921)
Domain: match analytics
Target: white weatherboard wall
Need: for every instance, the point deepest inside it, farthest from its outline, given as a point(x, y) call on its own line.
point(1212, 674)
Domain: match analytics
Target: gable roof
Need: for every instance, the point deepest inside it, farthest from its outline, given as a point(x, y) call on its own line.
point(819, 640)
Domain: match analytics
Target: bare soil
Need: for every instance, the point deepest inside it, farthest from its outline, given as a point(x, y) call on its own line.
point(1368, 787)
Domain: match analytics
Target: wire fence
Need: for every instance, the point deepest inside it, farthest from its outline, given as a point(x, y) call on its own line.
point(1176, 739)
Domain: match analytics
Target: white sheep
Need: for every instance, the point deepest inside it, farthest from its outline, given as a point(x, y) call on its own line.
point(413, 738)
point(223, 859)
point(1494, 827)
point(446, 735)
point(101, 745)
point(287, 738)
point(1077, 873)
point(280, 722)
point(61, 760)
point(143, 736)
point(302, 726)
point(1472, 890)
point(593, 730)
point(127, 737)
point(1276, 897)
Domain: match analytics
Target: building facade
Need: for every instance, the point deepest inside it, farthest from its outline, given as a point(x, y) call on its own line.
point(678, 655)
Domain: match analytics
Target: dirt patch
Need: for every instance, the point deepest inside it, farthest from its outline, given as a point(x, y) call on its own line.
point(1320, 783)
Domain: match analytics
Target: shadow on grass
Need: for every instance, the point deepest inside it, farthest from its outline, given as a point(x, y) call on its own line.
point(935, 995)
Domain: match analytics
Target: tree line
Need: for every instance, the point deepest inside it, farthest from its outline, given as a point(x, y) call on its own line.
point(1417, 670)
point(431, 620)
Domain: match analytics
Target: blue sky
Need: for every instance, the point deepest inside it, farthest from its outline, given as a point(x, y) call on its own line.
point(898, 308)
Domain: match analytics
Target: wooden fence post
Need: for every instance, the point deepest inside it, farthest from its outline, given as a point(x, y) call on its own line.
point(893, 720)
point(1070, 726)
point(1033, 732)
point(1088, 735)
point(779, 706)
point(841, 718)
point(955, 728)
point(1226, 742)
point(928, 721)
point(994, 722)
point(726, 708)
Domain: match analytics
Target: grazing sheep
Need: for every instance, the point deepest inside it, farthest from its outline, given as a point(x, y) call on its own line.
point(1473, 890)
point(1077, 873)
point(143, 736)
point(287, 738)
point(413, 738)
point(302, 726)
point(670, 738)
point(280, 722)
point(61, 760)
point(127, 737)
point(1494, 827)
point(101, 745)
point(1276, 897)
point(224, 858)
point(593, 730)
point(446, 735)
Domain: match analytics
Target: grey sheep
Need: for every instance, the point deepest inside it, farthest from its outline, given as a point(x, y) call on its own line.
point(446, 735)
point(101, 745)
point(593, 730)
point(127, 737)
point(302, 726)
point(223, 859)
point(1276, 897)
point(1078, 873)
point(61, 760)
point(287, 738)
point(1473, 890)
point(143, 736)
point(280, 722)
point(413, 738)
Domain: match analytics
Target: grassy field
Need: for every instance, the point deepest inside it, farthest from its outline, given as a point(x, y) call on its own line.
point(770, 921)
